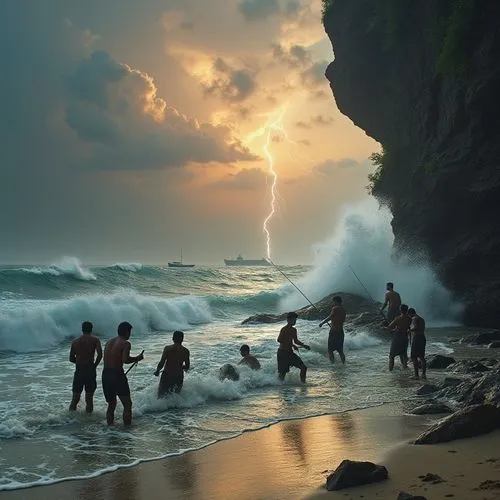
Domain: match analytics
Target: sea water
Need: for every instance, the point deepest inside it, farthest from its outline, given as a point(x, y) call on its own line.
point(42, 308)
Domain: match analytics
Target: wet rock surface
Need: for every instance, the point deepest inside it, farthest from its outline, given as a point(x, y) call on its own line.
point(350, 473)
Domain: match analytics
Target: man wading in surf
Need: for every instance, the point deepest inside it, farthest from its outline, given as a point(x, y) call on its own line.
point(114, 380)
point(82, 353)
point(393, 300)
point(399, 345)
point(288, 341)
point(336, 335)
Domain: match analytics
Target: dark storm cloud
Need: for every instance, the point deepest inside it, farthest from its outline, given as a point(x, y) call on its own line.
point(255, 10)
point(295, 56)
point(231, 84)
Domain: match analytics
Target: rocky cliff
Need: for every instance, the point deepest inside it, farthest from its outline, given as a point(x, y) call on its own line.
point(423, 79)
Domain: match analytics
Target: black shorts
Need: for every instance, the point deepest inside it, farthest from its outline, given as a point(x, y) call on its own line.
point(170, 383)
point(114, 383)
point(85, 376)
point(392, 314)
point(286, 359)
point(399, 346)
point(418, 346)
point(336, 341)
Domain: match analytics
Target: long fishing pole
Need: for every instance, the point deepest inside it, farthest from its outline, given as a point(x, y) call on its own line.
point(294, 285)
point(134, 363)
point(364, 288)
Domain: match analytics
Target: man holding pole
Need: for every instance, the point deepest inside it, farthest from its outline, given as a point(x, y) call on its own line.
point(393, 300)
point(114, 379)
point(336, 335)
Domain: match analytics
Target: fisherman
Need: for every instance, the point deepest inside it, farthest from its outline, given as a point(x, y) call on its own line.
point(393, 300)
point(399, 345)
point(288, 341)
point(114, 380)
point(247, 359)
point(175, 359)
point(336, 335)
point(418, 342)
point(82, 354)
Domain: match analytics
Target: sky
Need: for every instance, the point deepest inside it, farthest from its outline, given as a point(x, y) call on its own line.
point(130, 130)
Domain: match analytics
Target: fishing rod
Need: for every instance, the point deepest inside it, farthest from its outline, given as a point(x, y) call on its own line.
point(294, 285)
point(364, 288)
point(134, 363)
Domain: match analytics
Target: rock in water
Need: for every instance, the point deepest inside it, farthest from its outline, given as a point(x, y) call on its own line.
point(438, 362)
point(431, 409)
point(350, 473)
point(228, 372)
point(469, 422)
point(494, 345)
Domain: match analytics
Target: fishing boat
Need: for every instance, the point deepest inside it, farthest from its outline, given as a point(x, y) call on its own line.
point(240, 261)
point(179, 263)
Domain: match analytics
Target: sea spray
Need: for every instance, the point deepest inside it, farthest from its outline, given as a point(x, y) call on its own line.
point(363, 241)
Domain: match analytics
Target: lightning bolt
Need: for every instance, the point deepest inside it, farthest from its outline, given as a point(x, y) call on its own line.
point(274, 126)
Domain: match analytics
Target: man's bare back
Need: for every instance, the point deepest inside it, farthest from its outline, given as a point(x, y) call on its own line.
point(176, 359)
point(393, 299)
point(116, 352)
point(83, 349)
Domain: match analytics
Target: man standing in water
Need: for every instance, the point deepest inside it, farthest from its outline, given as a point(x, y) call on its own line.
point(418, 342)
point(247, 358)
point(175, 359)
point(288, 341)
point(336, 335)
point(82, 353)
point(114, 380)
point(399, 345)
point(393, 300)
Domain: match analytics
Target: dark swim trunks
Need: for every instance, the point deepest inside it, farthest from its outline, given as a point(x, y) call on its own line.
point(399, 345)
point(392, 314)
point(418, 346)
point(114, 383)
point(170, 383)
point(336, 341)
point(286, 359)
point(85, 376)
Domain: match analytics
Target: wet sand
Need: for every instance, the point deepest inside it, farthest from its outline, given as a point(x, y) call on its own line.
point(286, 460)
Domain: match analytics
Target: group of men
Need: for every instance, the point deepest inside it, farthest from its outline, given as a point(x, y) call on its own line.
point(86, 353)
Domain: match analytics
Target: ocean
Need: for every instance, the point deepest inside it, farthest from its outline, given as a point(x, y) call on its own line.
point(42, 308)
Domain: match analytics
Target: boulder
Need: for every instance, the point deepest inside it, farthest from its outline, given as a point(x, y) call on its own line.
point(407, 496)
point(438, 361)
point(431, 409)
point(467, 366)
point(427, 389)
point(494, 345)
point(451, 382)
point(350, 473)
point(484, 338)
point(468, 422)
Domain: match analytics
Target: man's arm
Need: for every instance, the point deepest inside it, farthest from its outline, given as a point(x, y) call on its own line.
point(72, 354)
point(187, 364)
point(393, 324)
point(98, 350)
point(162, 362)
point(385, 303)
point(298, 342)
point(127, 358)
point(280, 336)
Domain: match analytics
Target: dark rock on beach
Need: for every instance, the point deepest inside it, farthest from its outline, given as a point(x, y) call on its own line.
point(427, 389)
point(468, 422)
point(422, 79)
point(406, 496)
point(431, 409)
point(466, 366)
point(484, 338)
point(494, 345)
point(439, 362)
point(451, 382)
point(350, 473)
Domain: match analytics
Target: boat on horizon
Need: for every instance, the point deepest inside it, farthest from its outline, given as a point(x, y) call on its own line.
point(179, 263)
point(240, 261)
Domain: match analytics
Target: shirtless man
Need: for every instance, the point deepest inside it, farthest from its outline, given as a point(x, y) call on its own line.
point(247, 359)
point(417, 328)
point(82, 354)
point(114, 380)
point(288, 341)
point(393, 300)
point(336, 335)
point(399, 345)
point(175, 359)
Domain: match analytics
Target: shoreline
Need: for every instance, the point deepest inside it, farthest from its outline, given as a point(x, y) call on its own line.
point(295, 447)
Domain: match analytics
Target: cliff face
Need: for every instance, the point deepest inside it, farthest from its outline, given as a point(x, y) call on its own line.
point(423, 79)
